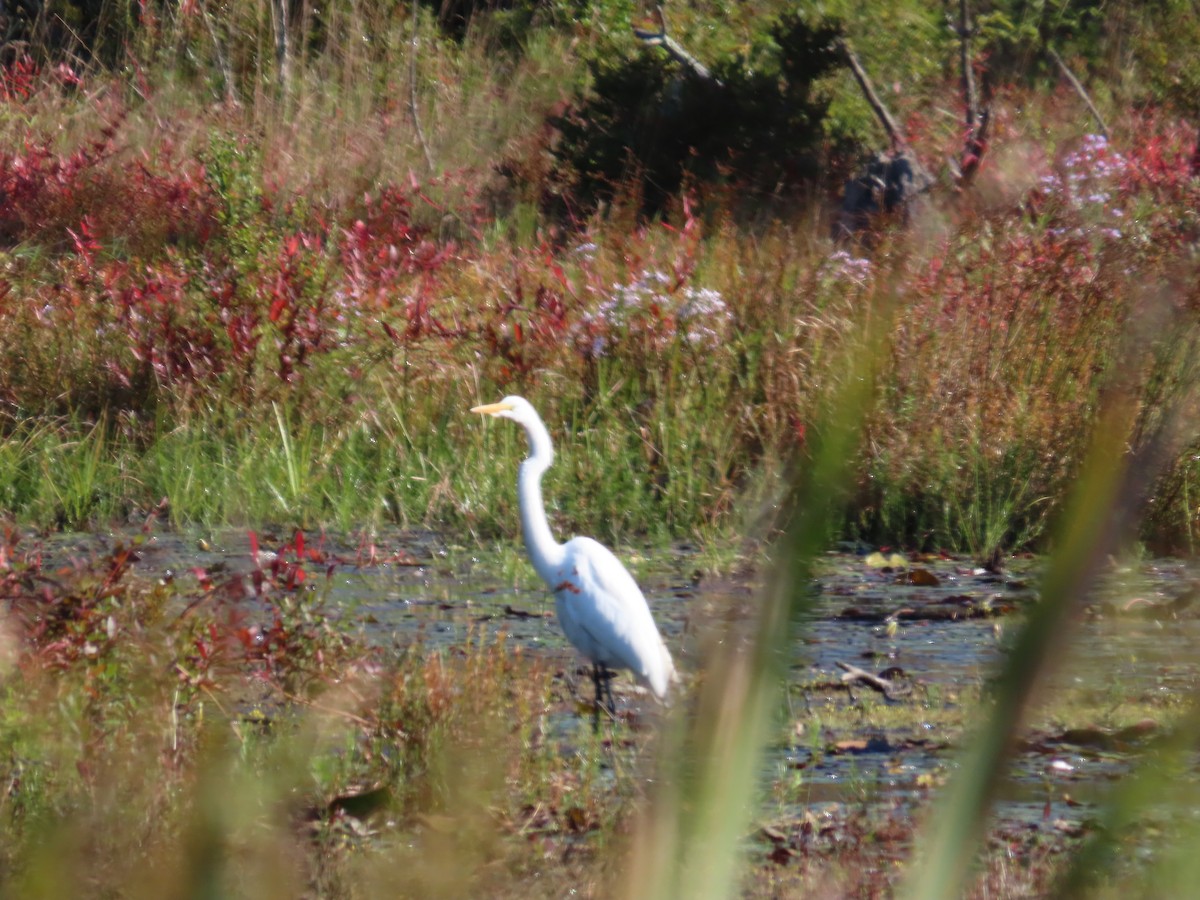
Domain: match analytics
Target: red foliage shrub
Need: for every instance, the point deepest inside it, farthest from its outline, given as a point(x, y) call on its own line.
point(18, 79)
point(521, 337)
point(384, 247)
point(165, 334)
point(385, 257)
point(44, 193)
point(297, 301)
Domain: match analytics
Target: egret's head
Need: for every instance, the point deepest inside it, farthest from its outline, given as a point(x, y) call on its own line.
point(541, 452)
point(516, 408)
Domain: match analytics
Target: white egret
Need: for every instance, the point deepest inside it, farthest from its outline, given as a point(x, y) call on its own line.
point(599, 605)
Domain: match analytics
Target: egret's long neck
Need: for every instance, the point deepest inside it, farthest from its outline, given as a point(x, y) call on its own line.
point(546, 553)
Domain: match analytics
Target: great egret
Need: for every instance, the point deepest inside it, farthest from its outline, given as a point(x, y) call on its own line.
point(599, 605)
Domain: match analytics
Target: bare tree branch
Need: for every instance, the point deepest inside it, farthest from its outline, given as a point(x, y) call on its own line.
point(970, 96)
point(660, 38)
point(231, 96)
point(923, 179)
point(868, 89)
point(975, 140)
point(1079, 89)
point(412, 93)
point(283, 67)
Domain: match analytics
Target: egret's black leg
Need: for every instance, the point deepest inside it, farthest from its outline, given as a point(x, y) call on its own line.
point(608, 675)
point(602, 677)
point(596, 706)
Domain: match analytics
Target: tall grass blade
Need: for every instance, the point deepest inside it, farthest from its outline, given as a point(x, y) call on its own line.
point(1155, 785)
point(1100, 515)
point(691, 841)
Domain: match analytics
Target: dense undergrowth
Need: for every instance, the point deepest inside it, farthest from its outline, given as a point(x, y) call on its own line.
point(219, 309)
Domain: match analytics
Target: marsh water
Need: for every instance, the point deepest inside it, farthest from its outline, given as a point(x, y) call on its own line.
point(939, 624)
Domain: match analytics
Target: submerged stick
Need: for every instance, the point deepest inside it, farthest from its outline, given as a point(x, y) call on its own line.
point(885, 686)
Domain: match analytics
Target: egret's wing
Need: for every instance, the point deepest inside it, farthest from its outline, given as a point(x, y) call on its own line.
point(604, 612)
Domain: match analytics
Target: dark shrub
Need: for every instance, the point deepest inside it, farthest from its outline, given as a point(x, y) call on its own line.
point(652, 125)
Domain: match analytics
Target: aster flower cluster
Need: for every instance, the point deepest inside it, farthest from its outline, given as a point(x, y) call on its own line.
point(842, 266)
point(1087, 180)
point(648, 304)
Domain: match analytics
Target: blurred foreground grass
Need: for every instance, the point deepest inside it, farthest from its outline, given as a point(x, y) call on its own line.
point(162, 740)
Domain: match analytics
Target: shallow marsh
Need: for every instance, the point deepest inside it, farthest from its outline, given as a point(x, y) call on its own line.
point(843, 753)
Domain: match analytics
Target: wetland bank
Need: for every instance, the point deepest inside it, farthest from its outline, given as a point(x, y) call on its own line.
point(267, 627)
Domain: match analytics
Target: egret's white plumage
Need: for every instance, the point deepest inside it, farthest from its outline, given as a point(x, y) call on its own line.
point(599, 605)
